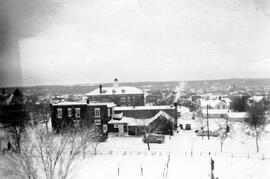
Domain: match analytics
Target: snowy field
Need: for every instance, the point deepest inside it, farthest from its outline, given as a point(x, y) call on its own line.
point(183, 155)
point(127, 157)
point(154, 166)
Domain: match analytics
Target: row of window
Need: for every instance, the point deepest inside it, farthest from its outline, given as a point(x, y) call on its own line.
point(127, 99)
point(77, 112)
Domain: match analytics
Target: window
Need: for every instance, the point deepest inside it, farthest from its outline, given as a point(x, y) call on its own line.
point(97, 112)
point(123, 99)
point(128, 99)
point(109, 112)
point(77, 112)
point(133, 98)
point(69, 112)
point(59, 113)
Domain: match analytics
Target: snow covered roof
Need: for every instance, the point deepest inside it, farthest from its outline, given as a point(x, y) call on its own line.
point(67, 103)
point(215, 111)
point(256, 98)
point(115, 90)
point(117, 116)
point(101, 104)
point(214, 103)
point(128, 108)
point(237, 115)
point(187, 113)
point(141, 122)
point(183, 109)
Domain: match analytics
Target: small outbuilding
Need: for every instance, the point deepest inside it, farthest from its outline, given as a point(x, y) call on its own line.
point(161, 123)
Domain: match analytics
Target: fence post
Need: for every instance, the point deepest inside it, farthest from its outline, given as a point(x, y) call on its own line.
point(248, 156)
point(232, 155)
point(141, 170)
point(263, 157)
point(118, 170)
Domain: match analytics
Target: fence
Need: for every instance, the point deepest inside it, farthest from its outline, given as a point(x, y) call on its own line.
point(262, 156)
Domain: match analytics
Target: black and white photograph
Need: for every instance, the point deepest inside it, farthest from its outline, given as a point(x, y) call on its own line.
point(134, 89)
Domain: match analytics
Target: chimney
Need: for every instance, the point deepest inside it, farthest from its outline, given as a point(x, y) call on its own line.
point(100, 89)
point(115, 83)
point(219, 97)
point(87, 101)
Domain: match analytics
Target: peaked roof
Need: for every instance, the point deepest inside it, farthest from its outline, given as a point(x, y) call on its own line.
point(256, 98)
point(141, 122)
point(213, 103)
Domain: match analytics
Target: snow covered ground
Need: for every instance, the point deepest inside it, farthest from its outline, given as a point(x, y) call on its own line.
point(183, 155)
point(148, 165)
point(127, 157)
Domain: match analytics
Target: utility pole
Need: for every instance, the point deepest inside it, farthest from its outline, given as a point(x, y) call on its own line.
point(208, 135)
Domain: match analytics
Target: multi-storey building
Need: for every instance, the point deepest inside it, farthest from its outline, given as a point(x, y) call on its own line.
point(120, 95)
point(77, 114)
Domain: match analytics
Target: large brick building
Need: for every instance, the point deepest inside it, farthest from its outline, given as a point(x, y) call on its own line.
point(77, 114)
point(120, 95)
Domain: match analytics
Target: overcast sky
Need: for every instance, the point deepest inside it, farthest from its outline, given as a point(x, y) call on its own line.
point(94, 41)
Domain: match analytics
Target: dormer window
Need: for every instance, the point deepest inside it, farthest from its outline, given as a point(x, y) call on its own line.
point(123, 90)
point(113, 91)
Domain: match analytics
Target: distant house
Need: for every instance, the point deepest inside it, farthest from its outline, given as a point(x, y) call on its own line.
point(237, 116)
point(255, 99)
point(76, 114)
point(215, 104)
point(186, 116)
point(182, 109)
point(161, 123)
point(215, 113)
point(186, 121)
point(120, 95)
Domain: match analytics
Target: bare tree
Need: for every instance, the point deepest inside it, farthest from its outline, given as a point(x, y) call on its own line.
point(20, 165)
point(48, 155)
point(256, 121)
point(224, 132)
point(200, 120)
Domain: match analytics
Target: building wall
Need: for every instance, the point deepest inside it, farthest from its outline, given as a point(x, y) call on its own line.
point(130, 99)
point(224, 116)
point(87, 116)
point(66, 121)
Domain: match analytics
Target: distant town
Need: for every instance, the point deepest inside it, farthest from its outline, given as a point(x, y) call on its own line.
point(155, 111)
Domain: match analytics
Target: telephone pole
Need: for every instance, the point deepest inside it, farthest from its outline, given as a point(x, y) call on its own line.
point(208, 135)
